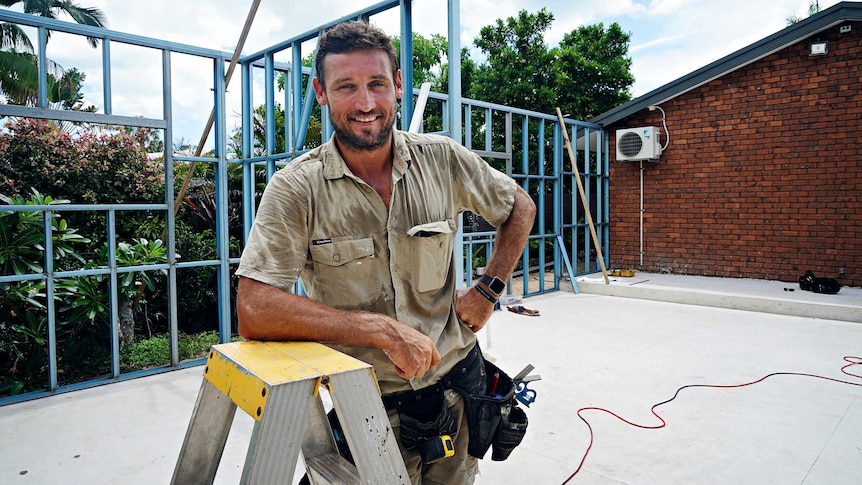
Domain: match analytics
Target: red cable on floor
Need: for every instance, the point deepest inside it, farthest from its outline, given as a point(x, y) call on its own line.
point(851, 361)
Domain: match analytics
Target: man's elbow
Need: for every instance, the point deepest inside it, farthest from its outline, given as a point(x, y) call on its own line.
point(245, 311)
point(244, 327)
point(525, 204)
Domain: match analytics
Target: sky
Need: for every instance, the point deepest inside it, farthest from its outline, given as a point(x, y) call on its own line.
point(669, 38)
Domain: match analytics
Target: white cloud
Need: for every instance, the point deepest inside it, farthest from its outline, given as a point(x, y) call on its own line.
point(670, 38)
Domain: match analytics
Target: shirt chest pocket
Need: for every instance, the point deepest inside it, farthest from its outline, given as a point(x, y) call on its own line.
point(431, 245)
point(345, 273)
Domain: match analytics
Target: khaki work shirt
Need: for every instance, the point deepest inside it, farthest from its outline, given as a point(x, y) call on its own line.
point(320, 222)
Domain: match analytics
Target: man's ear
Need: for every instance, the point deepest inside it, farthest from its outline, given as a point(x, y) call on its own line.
point(319, 92)
point(399, 88)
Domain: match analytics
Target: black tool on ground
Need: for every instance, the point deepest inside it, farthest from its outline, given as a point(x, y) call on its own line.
point(810, 282)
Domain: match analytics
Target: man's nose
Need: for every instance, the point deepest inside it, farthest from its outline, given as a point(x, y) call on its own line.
point(364, 99)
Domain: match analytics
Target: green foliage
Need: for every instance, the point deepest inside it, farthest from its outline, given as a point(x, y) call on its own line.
point(813, 9)
point(22, 236)
point(147, 353)
point(594, 70)
point(19, 81)
point(23, 354)
point(428, 57)
point(53, 9)
point(83, 309)
point(18, 62)
point(141, 253)
point(196, 287)
point(23, 326)
point(155, 351)
point(478, 258)
point(84, 168)
point(589, 72)
point(519, 70)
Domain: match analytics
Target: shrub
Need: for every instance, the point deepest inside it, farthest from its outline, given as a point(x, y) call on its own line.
point(155, 351)
point(85, 168)
point(89, 168)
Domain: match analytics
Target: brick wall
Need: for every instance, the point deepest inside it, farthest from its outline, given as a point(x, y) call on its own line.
point(763, 175)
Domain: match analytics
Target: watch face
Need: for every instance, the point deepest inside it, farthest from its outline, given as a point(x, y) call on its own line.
point(494, 284)
point(497, 285)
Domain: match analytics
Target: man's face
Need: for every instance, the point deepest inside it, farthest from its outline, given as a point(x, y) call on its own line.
point(361, 96)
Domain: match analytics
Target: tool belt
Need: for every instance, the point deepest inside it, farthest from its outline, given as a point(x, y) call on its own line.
point(426, 422)
point(494, 418)
point(493, 414)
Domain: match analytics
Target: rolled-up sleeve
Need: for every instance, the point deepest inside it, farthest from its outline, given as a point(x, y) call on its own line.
point(480, 188)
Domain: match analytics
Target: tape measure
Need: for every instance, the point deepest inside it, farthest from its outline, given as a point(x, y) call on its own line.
point(436, 448)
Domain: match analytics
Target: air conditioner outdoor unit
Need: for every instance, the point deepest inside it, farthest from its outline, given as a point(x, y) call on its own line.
point(635, 144)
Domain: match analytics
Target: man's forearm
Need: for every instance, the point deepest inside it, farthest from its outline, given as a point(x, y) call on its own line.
point(267, 313)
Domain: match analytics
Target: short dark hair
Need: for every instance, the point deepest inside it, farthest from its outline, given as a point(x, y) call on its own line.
point(348, 36)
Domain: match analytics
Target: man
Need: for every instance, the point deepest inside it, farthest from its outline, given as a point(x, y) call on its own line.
point(368, 220)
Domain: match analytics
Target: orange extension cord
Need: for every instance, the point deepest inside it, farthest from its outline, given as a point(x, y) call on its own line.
point(851, 361)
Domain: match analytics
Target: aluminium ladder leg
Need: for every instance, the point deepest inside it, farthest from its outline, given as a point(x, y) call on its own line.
point(277, 384)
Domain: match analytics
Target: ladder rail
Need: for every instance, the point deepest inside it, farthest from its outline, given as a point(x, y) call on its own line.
point(278, 384)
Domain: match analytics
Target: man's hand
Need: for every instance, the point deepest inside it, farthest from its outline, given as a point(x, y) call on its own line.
point(412, 352)
point(473, 308)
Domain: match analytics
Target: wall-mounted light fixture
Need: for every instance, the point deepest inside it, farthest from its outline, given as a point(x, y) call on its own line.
point(819, 48)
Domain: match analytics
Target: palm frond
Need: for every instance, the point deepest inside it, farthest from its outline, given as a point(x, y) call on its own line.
point(13, 37)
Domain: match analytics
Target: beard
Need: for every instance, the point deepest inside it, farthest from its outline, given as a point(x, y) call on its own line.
point(366, 140)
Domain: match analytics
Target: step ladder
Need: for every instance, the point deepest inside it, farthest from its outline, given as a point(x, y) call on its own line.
point(277, 384)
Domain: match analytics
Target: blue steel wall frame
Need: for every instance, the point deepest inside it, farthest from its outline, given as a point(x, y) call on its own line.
point(113, 270)
point(298, 104)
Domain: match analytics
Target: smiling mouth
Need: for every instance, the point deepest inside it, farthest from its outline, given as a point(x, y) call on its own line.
point(365, 118)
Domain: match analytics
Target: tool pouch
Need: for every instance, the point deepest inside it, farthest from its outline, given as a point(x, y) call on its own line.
point(424, 417)
point(513, 427)
point(486, 412)
point(489, 414)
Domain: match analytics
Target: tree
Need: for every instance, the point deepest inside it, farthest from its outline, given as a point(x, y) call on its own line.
point(51, 9)
point(517, 71)
point(587, 74)
point(18, 60)
point(593, 71)
point(428, 55)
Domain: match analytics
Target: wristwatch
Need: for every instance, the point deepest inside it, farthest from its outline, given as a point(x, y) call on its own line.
point(496, 285)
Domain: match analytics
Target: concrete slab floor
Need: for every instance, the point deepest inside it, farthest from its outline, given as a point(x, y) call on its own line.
point(622, 354)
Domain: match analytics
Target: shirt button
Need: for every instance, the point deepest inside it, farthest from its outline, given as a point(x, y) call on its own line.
point(336, 258)
point(367, 189)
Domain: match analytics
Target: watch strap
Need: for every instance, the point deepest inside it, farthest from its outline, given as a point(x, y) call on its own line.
point(484, 292)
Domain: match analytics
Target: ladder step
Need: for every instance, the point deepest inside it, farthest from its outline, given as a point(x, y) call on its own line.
point(331, 468)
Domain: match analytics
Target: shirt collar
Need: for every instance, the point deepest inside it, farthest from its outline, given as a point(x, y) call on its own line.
point(334, 166)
